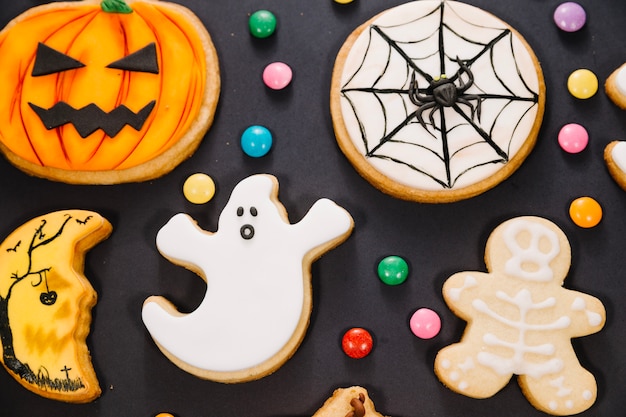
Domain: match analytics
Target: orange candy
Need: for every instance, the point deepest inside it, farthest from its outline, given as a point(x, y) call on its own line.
point(585, 212)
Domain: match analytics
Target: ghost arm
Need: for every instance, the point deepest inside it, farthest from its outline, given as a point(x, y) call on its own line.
point(325, 223)
point(180, 238)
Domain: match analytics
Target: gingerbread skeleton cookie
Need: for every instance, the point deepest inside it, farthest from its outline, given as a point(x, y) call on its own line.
point(257, 268)
point(521, 321)
point(436, 100)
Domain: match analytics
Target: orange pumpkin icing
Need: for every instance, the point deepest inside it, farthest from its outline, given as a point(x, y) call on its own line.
point(46, 302)
point(83, 31)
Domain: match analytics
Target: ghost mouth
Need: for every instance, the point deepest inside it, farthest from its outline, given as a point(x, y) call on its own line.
point(247, 231)
point(90, 118)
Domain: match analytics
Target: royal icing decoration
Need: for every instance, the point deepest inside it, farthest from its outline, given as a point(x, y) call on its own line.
point(96, 88)
point(256, 267)
point(439, 95)
point(619, 155)
point(46, 302)
point(521, 321)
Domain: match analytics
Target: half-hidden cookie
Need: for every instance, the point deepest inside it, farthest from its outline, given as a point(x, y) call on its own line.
point(46, 302)
point(257, 304)
point(348, 402)
point(105, 91)
point(520, 321)
point(436, 100)
point(615, 159)
point(615, 87)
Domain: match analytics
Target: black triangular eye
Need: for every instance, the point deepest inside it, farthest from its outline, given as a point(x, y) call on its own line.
point(143, 60)
point(50, 61)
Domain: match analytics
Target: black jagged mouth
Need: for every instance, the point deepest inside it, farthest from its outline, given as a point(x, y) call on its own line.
point(90, 118)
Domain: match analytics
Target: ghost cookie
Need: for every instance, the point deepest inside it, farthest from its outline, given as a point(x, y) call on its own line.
point(46, 302)
point(615, 159)
point(348, 402)
point(521, 321)
point(105, 91)
point(615, 87)
point(257, 268)
point(436, 101)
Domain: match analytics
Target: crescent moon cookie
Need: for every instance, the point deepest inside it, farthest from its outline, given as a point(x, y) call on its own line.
point(436, 101)
point(46, 302)
point(257, 304)
point(348, 402)
point(520, 321)
point(105, 91)
point(615, 87)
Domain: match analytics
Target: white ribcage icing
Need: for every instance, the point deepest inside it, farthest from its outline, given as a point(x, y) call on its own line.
point(517, 363)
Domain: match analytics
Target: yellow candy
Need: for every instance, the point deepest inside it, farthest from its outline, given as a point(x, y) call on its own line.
point(582, 83)
point(199, 188)
point(585, 212)
point(343, 1)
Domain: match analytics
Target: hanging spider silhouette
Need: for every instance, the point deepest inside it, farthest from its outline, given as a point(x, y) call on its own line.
point(443, 92)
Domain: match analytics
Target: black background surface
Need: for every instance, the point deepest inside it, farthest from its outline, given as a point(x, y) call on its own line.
point(437, 240)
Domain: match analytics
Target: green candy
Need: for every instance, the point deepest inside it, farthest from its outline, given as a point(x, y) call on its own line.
point(262, 24)
point(393, 270)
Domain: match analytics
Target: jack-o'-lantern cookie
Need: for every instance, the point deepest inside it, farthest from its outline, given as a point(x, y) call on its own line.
point(521, 321)
point(257, 304)
point(348, 402)
point(436, 100)
point(46, 302)
point(105, 91)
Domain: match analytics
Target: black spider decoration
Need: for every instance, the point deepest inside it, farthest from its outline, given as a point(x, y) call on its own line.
point(443, 92)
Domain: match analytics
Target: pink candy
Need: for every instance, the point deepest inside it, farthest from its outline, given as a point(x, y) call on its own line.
point(425, 323)
point(277, 75)
point(573, 138)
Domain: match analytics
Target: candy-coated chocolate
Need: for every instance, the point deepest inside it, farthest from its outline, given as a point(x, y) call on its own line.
point(357, 343)
point(262, 23)
point(393, 270)
point(573, 138)
point(164, 415)
point(343, 1)
point(570, 16)
point(199, 188)
point(582, 83)
point(277, 75)
point(256, 141)
point(425, 323)
point(585, 212)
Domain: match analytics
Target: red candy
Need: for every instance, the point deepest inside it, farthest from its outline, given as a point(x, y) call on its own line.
point(357, 343)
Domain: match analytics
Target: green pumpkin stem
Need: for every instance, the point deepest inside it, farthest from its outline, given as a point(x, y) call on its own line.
point(115, 6)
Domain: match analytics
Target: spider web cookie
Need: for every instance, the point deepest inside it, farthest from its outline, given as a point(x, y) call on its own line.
point(436, 101)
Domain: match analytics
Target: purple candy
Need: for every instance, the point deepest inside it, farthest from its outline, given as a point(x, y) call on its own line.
point(570, 16)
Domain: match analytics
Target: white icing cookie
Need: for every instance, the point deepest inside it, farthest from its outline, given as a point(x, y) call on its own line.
point(436, 100)
point(615, 87)
point(521, 321)
point(257, 268)
point(615, 159)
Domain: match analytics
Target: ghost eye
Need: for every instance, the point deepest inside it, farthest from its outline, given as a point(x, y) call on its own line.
point(143, 60)
point(253, 211)
point(240, 211)
point(50, 61)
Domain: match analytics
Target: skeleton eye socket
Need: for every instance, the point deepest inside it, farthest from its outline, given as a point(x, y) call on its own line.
point(50, 61)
